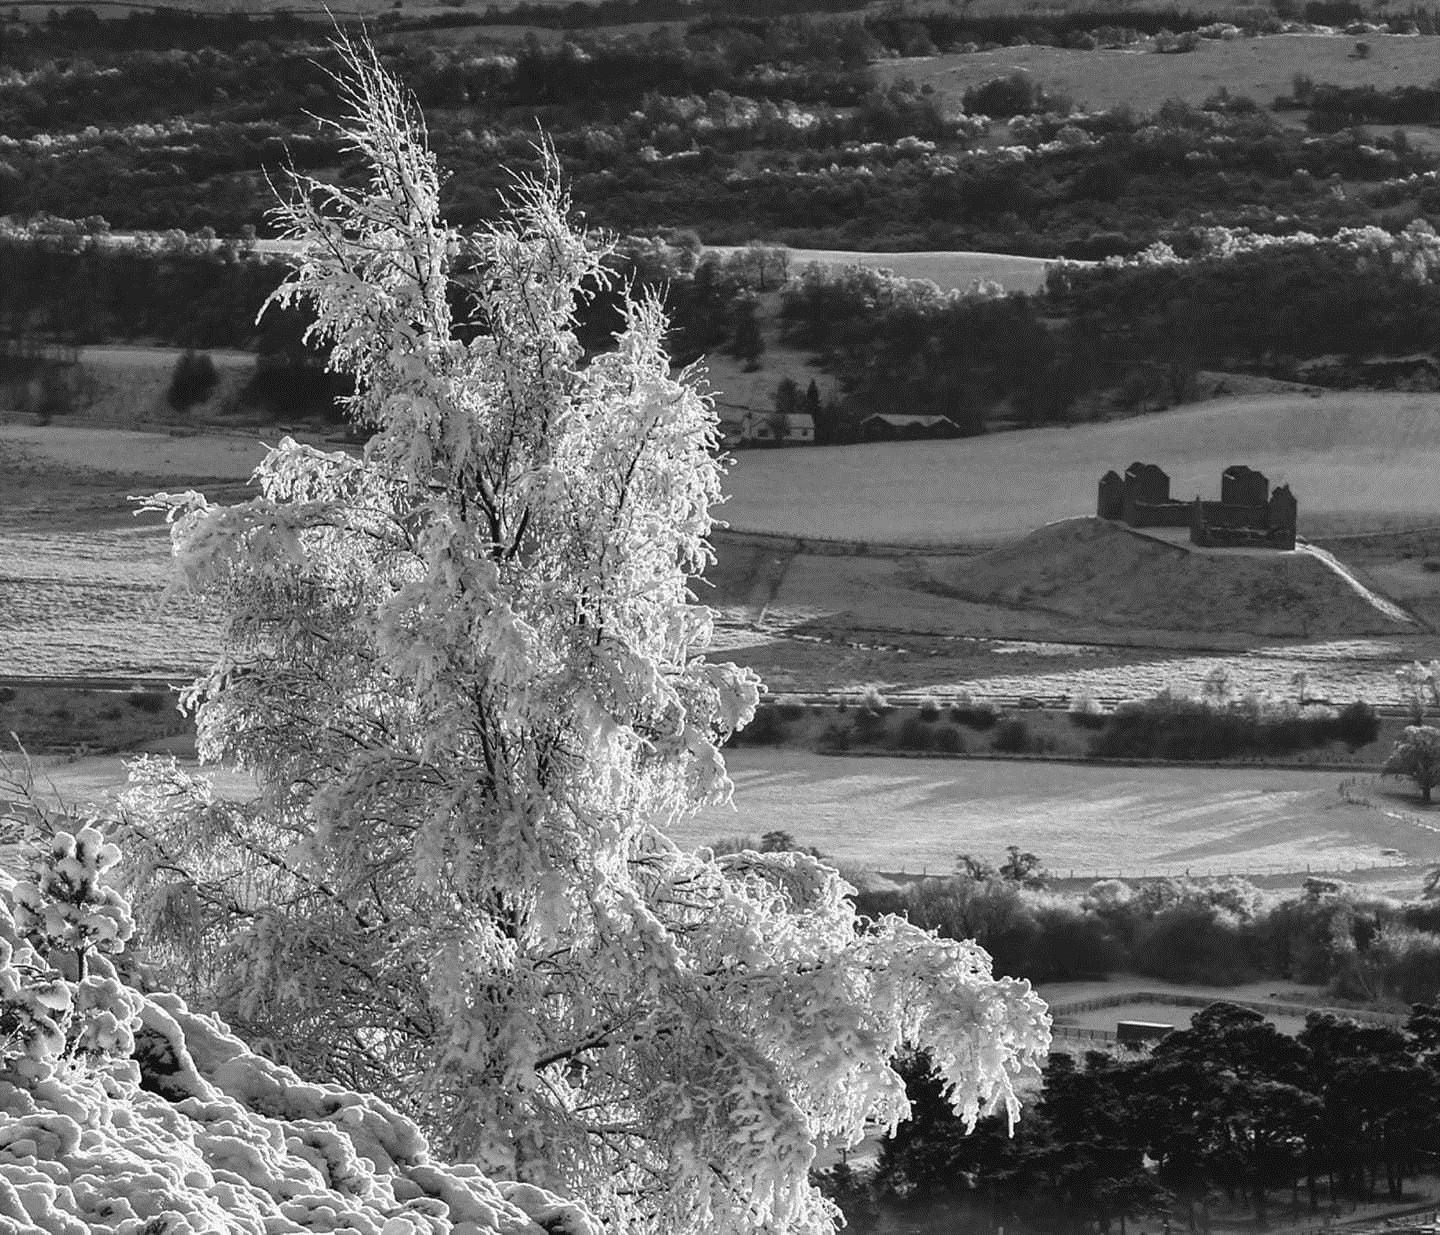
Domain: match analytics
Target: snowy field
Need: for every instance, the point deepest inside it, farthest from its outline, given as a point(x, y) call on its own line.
point(916, 815)
point(1356, 462)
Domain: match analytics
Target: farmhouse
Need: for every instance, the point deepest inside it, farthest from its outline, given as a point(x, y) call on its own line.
point(1248, 514)
point(898, 427)
point(777, 428)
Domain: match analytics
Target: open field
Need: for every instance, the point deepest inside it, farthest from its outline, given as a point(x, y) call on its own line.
point(947, 270)
point(1356, 462)
point(1258, 68)
point(80, 578)
point(916, 815)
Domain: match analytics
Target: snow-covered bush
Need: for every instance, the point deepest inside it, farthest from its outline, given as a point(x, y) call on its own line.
point(127, 1114)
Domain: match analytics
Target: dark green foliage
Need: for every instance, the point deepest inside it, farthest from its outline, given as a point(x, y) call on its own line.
point(766, 729)
point(915, 734)
point(746, 342)
point(836, 737)
point(1088, 720)
point(1172, 727)
point(291, 386)
point(1357, 725)
point(978, 716)
point(1012, 737)
point(1191, 943)
point(949, 740)
point(929, 711)
point(869, 727)
point(787, 396)
point(7, 695)
point(1016, 95)
point(192, 380)
point(152, 701)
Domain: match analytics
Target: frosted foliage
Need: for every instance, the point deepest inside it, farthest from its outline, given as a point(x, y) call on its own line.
point(467, 671)
point(127, 1114)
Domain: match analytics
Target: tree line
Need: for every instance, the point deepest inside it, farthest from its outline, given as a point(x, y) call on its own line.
point(1227, 1109)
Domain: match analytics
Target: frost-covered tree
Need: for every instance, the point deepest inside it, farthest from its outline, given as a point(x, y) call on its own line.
point(466, 670)
point(1417, 755)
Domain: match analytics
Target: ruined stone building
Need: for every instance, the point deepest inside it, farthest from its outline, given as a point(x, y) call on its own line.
point(1248, 514)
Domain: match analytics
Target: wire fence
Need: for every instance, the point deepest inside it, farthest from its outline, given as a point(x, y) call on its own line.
point(1080, 874)
point(1181, 999)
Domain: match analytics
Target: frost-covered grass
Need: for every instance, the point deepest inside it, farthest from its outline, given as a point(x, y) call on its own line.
point(1260, 69)
point(914, 815)
point(895, 814)
point(88, 602)
point(947, 269)
point(1356, 461)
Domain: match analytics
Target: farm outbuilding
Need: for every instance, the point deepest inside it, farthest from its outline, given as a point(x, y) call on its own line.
point(778, 428)
point(898, 427)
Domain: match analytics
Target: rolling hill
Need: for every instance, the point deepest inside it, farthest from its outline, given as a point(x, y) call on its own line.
point(1356, 461)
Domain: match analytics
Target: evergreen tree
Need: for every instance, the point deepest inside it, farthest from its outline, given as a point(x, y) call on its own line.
point(787, 397)
point(746, 343)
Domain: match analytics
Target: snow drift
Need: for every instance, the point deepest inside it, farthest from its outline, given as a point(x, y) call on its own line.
point(127, 1113)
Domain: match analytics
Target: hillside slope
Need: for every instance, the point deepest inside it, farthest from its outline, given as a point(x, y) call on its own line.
point(1356, 461)
point(1104, 572)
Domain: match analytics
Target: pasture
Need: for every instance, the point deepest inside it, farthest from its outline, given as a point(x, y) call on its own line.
point(949, 271)
point(1258, 68)
point(916, 815)
point(1356, 461)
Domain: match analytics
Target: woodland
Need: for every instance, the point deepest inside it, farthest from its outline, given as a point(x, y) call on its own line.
point(732, 130)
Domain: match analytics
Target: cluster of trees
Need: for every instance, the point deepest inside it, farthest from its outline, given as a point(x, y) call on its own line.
point(1174, 727)
point(1227, 1108)
point(1215, 932)
point(732, 126)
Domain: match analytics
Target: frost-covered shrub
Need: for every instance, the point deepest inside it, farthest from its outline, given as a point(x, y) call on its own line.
point(1085, 711)
point(59, 997)
point(127, 1114)
point(872, 700)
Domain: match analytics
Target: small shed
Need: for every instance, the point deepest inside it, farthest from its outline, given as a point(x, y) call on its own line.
point(1139, 1033)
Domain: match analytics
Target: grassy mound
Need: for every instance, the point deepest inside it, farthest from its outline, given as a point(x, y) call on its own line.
point(1106, 573)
